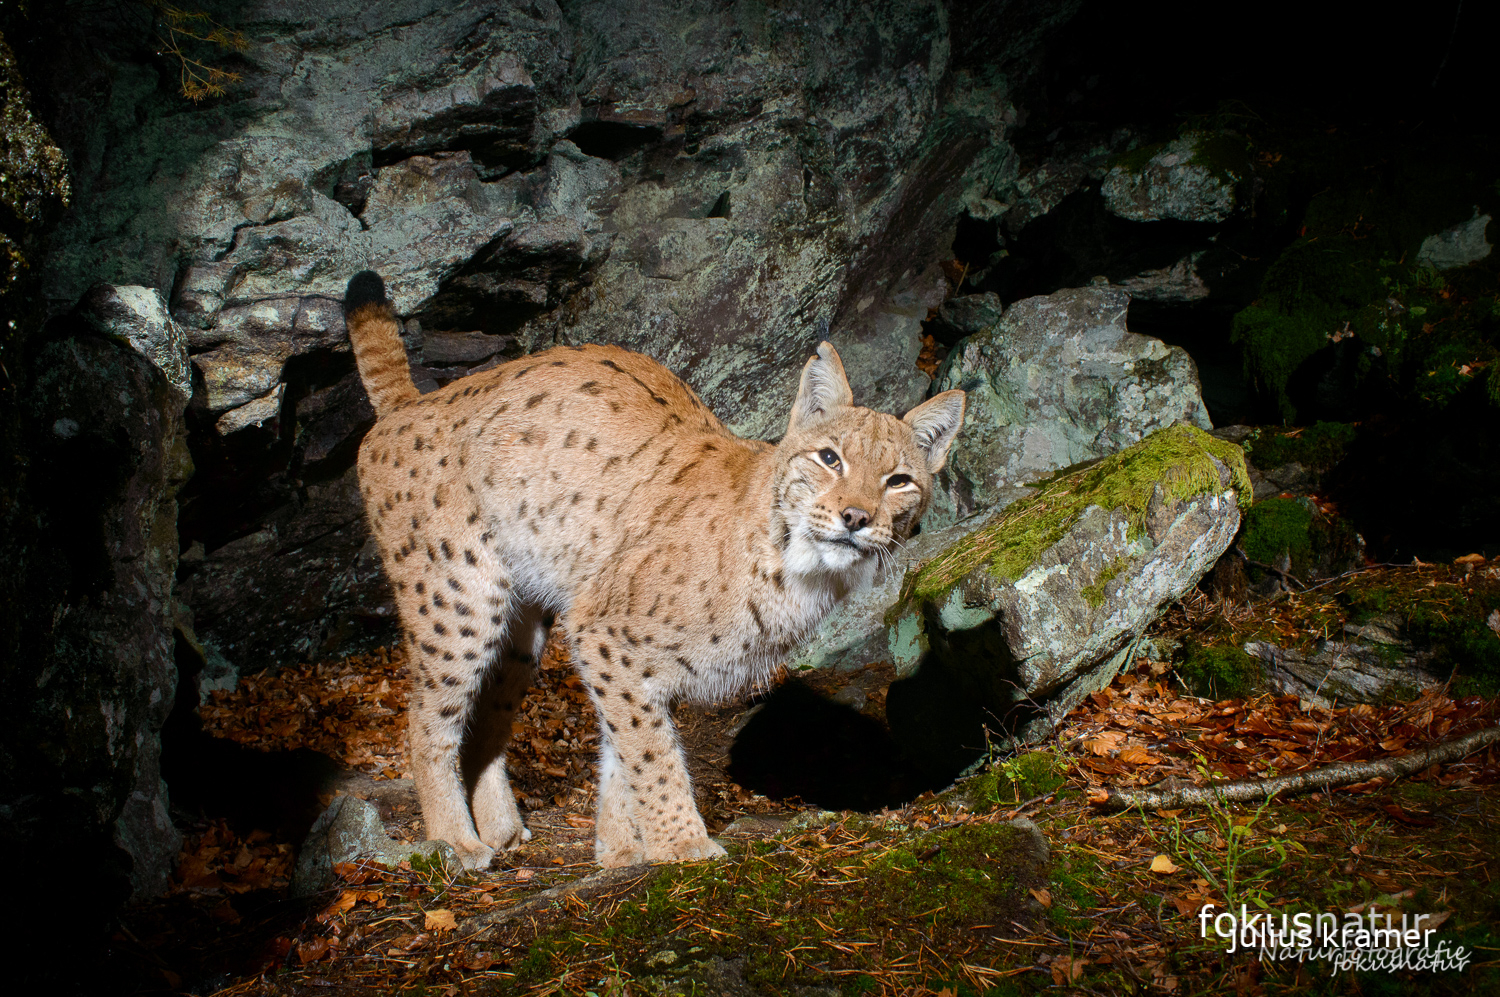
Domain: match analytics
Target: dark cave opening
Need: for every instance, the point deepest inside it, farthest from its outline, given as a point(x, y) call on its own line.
point(612, 139)
point(954, 709)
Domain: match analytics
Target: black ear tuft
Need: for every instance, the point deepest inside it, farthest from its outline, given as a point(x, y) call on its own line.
point(365, 288)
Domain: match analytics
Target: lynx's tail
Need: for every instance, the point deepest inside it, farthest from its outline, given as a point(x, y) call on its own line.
point(374, 332)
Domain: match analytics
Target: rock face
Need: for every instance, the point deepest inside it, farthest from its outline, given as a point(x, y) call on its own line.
point(1183, 180)
point(1057, 381)
point(104, 416)
point(718, 187)
point(1036, 606)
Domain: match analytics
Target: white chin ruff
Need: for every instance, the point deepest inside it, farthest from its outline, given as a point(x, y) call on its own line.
point(839, 558)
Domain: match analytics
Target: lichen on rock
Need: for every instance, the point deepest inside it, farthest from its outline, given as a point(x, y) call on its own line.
point(1190, 179)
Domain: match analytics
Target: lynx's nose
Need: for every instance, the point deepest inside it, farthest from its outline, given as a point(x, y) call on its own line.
point(855, 518)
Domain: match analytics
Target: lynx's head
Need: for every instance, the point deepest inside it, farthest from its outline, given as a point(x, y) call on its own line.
point(851, 483)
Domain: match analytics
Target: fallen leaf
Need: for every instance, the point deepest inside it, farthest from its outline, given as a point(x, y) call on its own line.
point(1164, 865)
point(1134, 754)
point(440, 920)
point(345, 902)
point(1470, 559)
point(1043, 896)
point(578, 820)
point(312, 951)
point(1067, 969)
point(1407, 817)
point(524, 874)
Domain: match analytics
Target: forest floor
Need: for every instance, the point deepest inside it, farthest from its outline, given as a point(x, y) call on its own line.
point(943, 896)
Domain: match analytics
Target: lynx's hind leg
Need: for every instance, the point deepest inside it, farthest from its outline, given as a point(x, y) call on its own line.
point(457, 610)
point(496, 817)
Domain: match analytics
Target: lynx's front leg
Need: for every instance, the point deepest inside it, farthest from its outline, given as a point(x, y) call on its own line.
point(646, 808)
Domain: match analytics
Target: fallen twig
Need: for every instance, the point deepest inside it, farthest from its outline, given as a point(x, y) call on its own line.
point(1327, 777)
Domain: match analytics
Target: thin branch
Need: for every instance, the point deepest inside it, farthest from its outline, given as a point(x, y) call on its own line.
point(1325, 778)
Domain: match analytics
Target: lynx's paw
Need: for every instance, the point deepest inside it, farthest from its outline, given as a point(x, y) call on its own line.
point(691, 850)
point(473, 854)
point(503, 838)
point(619, 857)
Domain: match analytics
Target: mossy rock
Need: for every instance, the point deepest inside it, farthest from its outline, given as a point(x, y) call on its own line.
point(1449, 622)
point(1220, 672)
point(1182, 461)
point(1400, 331)
point(1314, 545)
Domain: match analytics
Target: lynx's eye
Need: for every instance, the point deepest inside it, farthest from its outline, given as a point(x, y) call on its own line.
point(830, 458)
point(898, 480)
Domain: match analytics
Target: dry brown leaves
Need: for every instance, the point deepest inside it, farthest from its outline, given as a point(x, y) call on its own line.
point(352, 710)
point(216, 860)
point(1139, 731)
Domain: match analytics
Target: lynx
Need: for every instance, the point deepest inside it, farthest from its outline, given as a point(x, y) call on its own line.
point(681, 560)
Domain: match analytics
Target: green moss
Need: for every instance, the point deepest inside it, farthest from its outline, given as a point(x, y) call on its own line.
point(1136, 160)
point(1219, 672)
point(1095, 594)
point(1405, 328)
point(1223, 154)
point(1278, 527)
point(960, 875)
point(1181, 460)
point(1312, 290)
point(1015, 780)
point(1318, 446)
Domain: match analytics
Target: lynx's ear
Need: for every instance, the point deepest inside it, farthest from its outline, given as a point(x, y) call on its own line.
point(936, 422)
point(824, 389)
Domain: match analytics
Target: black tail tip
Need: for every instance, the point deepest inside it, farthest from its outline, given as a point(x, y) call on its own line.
point(365, 288)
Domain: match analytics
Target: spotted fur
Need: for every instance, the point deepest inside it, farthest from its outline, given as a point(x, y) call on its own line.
point(682, 561)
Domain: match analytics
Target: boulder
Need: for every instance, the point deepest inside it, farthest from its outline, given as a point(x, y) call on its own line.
point(1190, 179)
point(350, 830)
point(1035, 606)
point(305, 585)
point(1177, 284)
point(1457, 246)
point(1057, 381)
point(1371, 663)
